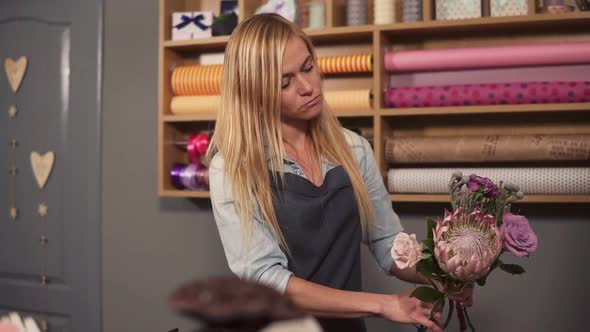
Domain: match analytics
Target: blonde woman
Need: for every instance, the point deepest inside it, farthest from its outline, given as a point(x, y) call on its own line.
point(293, 193)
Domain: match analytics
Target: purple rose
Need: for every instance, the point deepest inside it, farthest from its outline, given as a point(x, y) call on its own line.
point(518, 236)
point(477, 182)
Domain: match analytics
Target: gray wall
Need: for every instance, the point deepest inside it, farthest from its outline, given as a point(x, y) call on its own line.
point(151, 245)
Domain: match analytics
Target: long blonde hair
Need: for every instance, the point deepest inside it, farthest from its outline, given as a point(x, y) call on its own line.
point(248, 127)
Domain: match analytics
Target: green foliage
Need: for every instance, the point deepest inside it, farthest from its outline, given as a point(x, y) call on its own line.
point(512, 268)
point(430, 226)
point(426, 266)
point(427, 294)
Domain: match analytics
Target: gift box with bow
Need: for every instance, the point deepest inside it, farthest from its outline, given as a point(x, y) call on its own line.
point(191, 25)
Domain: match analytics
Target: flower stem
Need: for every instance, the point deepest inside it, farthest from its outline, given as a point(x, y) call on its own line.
point(450, 315)
point(461, 317)
point(469, 320)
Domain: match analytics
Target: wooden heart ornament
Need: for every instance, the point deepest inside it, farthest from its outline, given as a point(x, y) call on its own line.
point(15, 71)
point(42, 166)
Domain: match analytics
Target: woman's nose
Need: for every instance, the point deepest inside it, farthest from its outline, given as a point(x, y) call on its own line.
point(304, 86)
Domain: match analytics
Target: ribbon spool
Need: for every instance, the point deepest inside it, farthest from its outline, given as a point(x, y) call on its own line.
point(197, 145)
point(189, 176)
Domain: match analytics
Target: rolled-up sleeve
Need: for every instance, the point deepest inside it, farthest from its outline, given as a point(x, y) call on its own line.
point(387, 223)
point(258, 257)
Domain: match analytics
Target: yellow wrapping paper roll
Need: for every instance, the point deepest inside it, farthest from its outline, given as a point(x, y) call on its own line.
point(194, 104)
point(346, 64)
point(196, 80)
point(348, 100)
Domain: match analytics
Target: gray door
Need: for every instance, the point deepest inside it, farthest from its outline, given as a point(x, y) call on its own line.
point(50, 265)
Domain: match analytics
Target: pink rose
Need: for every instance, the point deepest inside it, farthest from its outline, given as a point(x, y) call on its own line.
point(406, 250)
point(8, 327)
point(518, 236)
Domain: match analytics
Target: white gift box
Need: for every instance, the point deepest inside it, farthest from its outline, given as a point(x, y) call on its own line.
point(457, 9)
point(191, 25)
point(509, 7)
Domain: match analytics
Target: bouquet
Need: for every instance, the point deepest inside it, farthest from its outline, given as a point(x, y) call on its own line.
point(465, 246)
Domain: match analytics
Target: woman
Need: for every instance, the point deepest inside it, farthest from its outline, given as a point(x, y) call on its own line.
point(293, 193)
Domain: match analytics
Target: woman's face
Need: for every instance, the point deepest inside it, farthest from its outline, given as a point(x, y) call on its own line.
point(301, 90)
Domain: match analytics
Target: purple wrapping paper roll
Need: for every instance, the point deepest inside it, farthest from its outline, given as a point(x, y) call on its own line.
point(189, 176)
point(488, 57)
point(488, 94)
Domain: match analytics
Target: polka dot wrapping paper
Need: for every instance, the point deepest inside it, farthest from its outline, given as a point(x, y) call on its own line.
point(457, 9)
point(531, 180)
point(488, 94)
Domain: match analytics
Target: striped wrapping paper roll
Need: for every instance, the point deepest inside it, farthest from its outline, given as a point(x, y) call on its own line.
point(385, 11)
point(423, 150)
point(346, 64)
point(532, 181)
point(356, 12)
point(194, 104)
point(348, 100)
point(196, 80)
point(488, 94)
point(488, 57)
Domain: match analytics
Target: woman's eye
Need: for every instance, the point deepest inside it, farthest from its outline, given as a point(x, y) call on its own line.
point(285, 84)
point(308, 69)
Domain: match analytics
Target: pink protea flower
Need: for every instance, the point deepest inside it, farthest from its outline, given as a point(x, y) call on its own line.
point(466, 246)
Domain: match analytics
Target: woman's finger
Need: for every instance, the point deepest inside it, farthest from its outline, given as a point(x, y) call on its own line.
point(429, 324)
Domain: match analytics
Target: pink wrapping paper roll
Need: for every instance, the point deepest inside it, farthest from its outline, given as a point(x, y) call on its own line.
point(488, 57)
point(488, 94)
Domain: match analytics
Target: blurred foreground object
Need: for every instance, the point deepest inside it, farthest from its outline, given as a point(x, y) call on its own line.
point(231, 304)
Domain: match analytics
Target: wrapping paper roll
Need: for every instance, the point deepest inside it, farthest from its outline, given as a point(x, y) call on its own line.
point(356, 12)
point(457, 9)
point(412, 11)
point(317, 14)
point(196, 80)
point(400, 150)
point(565, 180)
point(488, 94)
point(194, 104)
point(348, 100)
point(385, 11)
point(488, 57)
point(346, 64)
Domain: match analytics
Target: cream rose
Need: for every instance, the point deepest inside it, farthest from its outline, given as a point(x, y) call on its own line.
point(406, 250)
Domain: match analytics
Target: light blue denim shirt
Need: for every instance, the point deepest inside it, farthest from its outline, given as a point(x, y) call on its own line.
point(262, 260)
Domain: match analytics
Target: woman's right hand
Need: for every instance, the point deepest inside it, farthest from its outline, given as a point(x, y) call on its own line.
point(405, 309)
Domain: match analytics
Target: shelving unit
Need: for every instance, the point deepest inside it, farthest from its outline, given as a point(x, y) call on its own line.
point(336, 39)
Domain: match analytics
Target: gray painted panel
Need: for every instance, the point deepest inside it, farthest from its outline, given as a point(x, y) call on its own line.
point(59, 110)
point(40, 125)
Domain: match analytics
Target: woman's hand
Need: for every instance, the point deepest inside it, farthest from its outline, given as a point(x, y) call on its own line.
point(405, 309)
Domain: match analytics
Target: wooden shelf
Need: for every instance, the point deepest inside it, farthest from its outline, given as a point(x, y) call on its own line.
point(430, 198)
point(205, 116)
point(526, 119)
point(184, 193)
point(524, 108)
point(444, 198)
point(567, 20)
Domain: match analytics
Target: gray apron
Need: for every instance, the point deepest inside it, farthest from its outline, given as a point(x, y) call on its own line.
point(321, 227)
